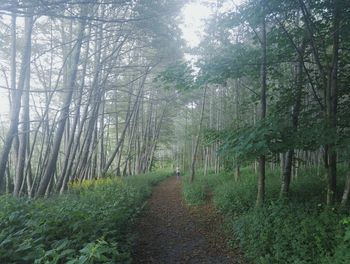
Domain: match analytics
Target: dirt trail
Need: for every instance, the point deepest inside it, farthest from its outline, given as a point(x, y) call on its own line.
point(170, 232)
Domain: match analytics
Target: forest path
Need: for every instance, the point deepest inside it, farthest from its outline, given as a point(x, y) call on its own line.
point(170, 232)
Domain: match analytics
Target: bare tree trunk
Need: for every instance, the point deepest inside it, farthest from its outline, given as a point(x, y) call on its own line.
point(102, 141)
point(13, 87)
point(346, 192)
point(91, 124)
point(131, 139)
point(24, 133)
point(16, 100)
point(154, 141)
point(71, 148)
point(194, 157)
point(261, 183)
point(50, 169)
point(332, 102)
point(127, 122)
point(287, 172)
point(237, 163)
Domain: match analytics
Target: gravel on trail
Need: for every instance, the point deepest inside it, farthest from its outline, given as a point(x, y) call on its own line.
point(170, 232)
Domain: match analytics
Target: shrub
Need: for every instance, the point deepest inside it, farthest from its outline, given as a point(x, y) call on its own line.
point(300, 230)
point(201, 189)
point(293, 233)
point(89, 224)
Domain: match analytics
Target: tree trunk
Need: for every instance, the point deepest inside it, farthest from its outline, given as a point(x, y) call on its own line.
point(50, 169)
point(346, 192)
point(332, 102)
point(25, 127)
point(287, 171)
point(127, 122)
point(16, 100)
point(194, 157)
point(261, 183)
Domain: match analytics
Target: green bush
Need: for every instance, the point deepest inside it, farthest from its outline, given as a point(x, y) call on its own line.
point(236, 197)
point(342, 252)
point(201, 189)
point(293, 233)
point(89, 224)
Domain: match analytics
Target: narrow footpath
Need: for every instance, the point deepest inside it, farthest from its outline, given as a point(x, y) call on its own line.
point(169, 232)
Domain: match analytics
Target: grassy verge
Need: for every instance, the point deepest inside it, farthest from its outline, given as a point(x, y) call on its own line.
point(89, 224)
point(302, 230)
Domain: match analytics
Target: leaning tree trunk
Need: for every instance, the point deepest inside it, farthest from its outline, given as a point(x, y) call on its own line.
point(126, 126)
point(154, 141)
point(51, 166)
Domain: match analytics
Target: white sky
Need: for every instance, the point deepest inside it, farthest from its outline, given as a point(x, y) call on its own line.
point(194, 14)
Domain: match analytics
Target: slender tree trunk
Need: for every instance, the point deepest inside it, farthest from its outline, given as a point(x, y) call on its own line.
point(51, 166)
point(262, 160)
point(194, 156)
point(154, 141)
point(16, 100)
point(287, 172)
point(12, 93)
point(237, 163)
point(122, 136)
point(282, 163)
point(332, 102)
point(346, 192)
point(102, 139)
point(24, 133)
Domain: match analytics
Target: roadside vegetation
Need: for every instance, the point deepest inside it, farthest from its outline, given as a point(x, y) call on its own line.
point(302, 229)
point(89, 224)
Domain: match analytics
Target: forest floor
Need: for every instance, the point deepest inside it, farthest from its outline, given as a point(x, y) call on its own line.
point(171, 232)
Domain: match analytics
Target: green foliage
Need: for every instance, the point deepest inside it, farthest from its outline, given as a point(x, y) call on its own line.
point(232, 198)
point(178, 75)
point(221, 64)
point(201, 189)
point(249, 142)
point(304, 230)
point(90, 224)
point(342, 252)
point(271, 136)
point(293, 233)
point(195, 194)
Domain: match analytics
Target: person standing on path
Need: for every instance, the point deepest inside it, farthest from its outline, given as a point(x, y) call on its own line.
point(177, 172)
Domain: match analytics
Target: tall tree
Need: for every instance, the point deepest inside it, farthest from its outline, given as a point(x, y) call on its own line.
point(262, 159)
point(16, 99)
point(64, 113)
point(196, 144)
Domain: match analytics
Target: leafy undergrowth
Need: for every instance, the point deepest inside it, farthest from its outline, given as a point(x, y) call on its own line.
point(300, 230)
point(199, 191)
point(88, 224)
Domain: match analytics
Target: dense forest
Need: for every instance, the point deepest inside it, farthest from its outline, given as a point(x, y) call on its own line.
point(102, 99)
